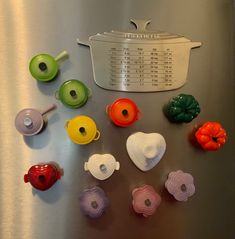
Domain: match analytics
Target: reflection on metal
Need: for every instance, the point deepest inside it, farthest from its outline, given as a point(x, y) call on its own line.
point(31, 27)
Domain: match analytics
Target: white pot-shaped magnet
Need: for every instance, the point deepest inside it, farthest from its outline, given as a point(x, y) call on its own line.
point(145, 150)
point(101, 166)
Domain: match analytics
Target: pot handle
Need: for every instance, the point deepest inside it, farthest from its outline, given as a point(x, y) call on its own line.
point(195, 44)
point(57, 95)
point(26, 178)
point(86, 166)
point(117, 166)
point(89, 92)
point(107, 109)
point(83, 42)
point(139, 116)
point(97, 136)
point(50, 108)
point(140, 24)
point(62, 56)
point(66, 124)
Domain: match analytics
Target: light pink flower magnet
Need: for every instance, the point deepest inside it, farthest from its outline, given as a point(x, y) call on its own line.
point(180, 185)
point(145, 200)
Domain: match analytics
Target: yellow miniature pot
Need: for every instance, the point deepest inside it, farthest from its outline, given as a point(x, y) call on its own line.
point(82, 130)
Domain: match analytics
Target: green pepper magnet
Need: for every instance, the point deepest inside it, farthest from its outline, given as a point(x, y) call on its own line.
point(182, 109)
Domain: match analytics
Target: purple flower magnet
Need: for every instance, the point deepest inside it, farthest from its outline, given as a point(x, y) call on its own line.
point(180, 185)
point(145, 200)
point(93, 202)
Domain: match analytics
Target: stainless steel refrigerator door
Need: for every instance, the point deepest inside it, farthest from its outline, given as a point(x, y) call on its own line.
point(30, 27)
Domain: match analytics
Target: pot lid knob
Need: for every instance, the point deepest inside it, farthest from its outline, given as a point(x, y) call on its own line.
point(28, 122)
point(150, 151)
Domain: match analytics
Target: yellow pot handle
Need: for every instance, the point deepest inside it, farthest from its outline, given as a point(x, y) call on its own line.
point(66, 124)
point(97, 136)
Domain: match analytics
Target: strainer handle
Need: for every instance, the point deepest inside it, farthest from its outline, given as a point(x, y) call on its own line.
point(140, 24)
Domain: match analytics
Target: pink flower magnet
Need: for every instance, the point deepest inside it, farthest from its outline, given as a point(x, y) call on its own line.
point(145, 200)
point(180, 185)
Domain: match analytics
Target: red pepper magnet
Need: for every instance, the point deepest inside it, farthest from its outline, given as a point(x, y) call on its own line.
point(211, 136)
point(43, 176)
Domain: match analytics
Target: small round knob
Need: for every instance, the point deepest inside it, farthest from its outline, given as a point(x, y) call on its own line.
point(150, 151)
point(42, 66)
point(28, 122)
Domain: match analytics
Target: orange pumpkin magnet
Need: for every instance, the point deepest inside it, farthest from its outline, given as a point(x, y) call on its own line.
point(211, 136)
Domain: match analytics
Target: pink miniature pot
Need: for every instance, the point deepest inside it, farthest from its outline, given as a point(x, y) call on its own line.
point(145, 200)
point(180, 185)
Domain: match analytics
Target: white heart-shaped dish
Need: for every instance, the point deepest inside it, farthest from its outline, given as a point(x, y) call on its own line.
point(146, 150)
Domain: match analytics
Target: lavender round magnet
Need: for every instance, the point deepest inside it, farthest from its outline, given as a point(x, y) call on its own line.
point(93, 202)
point(180, 185)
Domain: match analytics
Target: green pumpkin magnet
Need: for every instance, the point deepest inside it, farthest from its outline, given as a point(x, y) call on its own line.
point(44, 67)
point(182, 109)
point(73, 93)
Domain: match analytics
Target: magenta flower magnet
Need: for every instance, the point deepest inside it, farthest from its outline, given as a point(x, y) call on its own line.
point(145, 200)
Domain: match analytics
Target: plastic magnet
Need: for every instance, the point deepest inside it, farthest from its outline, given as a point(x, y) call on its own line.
point(82, 130)
point(180, 185)
point(93, 202)
point(211, 136)
point(182, 108)
point(73, 93)
point(30, 121)
point(145, 200)
point(42, 176)
point(101, 166)
point(44, 67)
point(123, 112)
point(146, 150)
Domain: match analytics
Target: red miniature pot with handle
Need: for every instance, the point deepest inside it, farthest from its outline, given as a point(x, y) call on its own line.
point(211, 136)
point(42, 176)
point(123, 112)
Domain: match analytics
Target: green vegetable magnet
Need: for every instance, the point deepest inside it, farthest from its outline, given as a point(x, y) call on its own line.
point(182, 109)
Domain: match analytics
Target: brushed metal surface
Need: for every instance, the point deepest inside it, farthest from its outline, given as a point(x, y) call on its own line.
point(30, 27)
